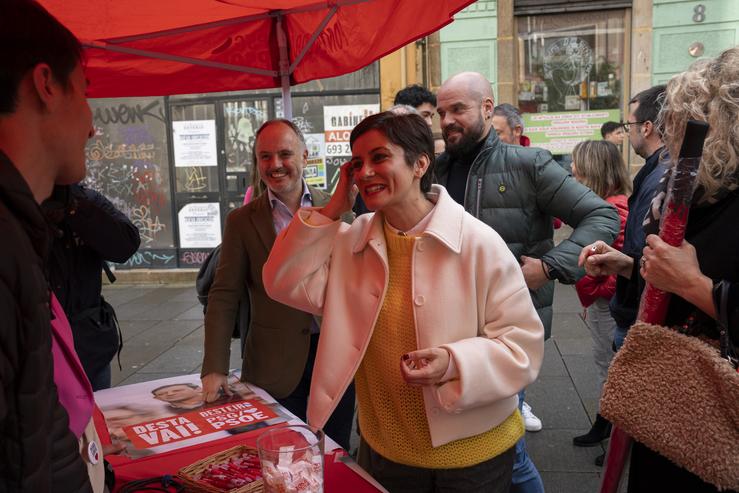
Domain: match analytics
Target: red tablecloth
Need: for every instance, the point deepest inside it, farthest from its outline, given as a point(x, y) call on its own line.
point(338, 478)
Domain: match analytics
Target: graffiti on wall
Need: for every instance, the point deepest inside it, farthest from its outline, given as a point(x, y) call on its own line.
point(127, 161)
point(147, 259)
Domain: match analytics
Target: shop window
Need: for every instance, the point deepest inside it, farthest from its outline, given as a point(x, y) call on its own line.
point(571, 62)
point(242, 120)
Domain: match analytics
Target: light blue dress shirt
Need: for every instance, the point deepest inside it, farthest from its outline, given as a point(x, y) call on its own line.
point(281, 217)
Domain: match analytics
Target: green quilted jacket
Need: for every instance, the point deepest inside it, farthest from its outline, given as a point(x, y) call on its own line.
point(517, 191)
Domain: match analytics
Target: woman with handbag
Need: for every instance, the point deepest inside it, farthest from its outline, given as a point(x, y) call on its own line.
point(702, 275)
point(598, 165)
point(423, 306)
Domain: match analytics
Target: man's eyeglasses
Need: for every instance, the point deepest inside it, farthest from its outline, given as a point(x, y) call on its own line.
point(625, 125)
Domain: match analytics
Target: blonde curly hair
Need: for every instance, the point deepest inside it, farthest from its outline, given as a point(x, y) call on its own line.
point(708, 91)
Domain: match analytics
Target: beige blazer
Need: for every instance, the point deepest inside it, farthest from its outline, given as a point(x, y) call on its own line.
point(468, 295)
point(279, 336)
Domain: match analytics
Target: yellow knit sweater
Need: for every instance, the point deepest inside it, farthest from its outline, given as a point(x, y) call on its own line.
point(392, 417)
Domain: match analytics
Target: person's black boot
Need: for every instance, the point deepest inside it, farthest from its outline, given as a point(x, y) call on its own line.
point(600, 430)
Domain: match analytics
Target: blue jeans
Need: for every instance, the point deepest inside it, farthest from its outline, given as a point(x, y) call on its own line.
point(526, 478)
point(101, 380)
point(618, 337)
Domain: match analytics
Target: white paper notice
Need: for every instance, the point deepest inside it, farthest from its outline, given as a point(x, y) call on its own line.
point(195, 143)
point(200, 225)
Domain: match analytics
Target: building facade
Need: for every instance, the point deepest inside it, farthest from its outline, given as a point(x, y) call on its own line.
point(178, 165)
point(570, 65)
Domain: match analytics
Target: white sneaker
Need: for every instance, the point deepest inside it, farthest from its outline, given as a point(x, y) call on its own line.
point(530, 421)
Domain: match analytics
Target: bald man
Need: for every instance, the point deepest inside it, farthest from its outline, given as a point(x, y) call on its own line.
point(516, 191)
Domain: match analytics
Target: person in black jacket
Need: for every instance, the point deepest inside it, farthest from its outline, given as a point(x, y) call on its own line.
point(44, 123)
point(695, 272)
point(646, 140)
point(88, 230)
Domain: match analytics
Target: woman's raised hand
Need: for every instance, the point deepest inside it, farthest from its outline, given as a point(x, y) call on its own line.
point(343, 198)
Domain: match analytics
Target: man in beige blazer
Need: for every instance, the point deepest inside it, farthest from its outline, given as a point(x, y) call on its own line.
point(281, 342)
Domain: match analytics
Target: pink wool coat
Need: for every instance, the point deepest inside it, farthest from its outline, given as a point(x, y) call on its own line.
point(469, 296)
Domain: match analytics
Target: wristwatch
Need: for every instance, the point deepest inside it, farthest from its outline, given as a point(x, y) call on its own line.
point(549, 271)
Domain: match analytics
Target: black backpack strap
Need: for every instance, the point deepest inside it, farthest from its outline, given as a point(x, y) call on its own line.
point(110, 311)
point(120, 340)
point(108, 272)
point(111, 278)
point(721, 305)
point(206, 275)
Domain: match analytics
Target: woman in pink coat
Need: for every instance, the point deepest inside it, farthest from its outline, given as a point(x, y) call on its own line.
point(423, 306)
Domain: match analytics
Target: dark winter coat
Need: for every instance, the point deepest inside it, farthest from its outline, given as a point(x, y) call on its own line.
point(38, 452)
point(516, 191)
point(625, 301)
point(92, 231)
point(88, 230)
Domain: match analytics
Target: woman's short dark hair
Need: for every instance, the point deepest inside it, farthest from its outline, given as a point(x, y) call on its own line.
point(409, 132)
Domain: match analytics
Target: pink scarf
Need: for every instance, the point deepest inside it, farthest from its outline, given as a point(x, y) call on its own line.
point(248, 194)
point(75, 392)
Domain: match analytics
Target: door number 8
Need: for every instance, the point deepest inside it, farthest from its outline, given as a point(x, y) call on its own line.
point(699, 13)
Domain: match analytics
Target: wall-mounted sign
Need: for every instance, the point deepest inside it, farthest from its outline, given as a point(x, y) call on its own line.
point(338, 122)
point(560, 132)
point(200, 225)
point(195, 143)
point(315, 169)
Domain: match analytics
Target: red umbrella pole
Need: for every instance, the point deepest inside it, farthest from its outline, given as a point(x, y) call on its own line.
point(287, 102)
point(654, 302)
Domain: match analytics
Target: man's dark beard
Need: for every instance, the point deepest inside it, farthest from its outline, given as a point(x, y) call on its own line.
point(469, 139)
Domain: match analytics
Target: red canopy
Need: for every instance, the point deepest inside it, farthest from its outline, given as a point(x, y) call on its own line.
point(158, 47)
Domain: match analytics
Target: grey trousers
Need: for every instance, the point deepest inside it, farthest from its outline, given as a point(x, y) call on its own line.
point(491, 476)
point(602, 328)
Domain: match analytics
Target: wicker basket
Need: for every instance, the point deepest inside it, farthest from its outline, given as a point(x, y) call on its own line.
point(189, 474)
